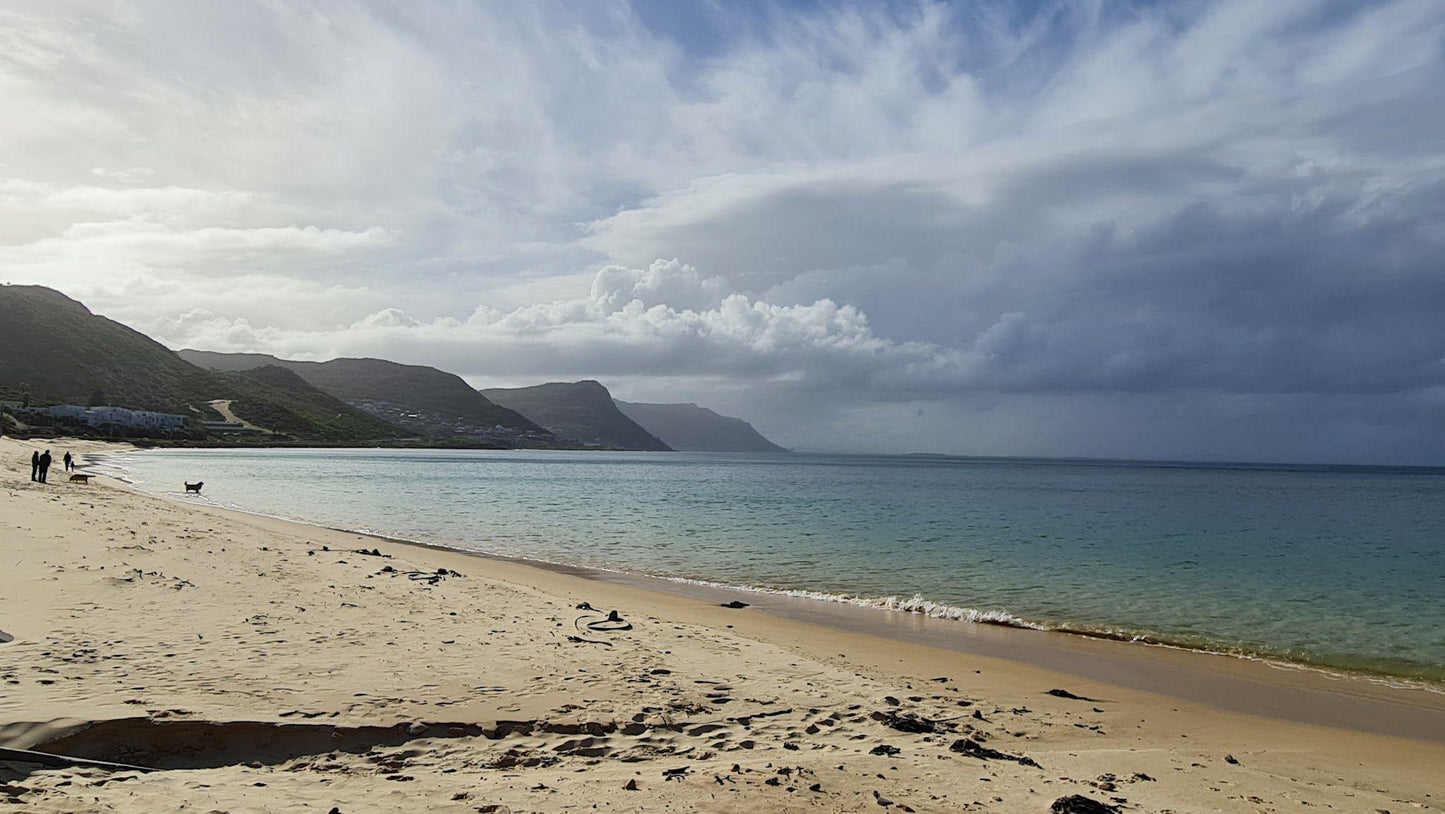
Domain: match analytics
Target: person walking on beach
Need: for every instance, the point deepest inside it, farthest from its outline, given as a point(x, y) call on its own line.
point(45, 466)
point(69, 462)
point(35, 465)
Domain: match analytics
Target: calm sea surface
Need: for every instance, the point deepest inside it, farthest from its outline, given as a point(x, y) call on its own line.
point(1337, 567)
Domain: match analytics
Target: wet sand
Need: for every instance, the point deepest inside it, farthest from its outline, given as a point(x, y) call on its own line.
point(1274, 689)
point(267, 666)
point(1290, 692)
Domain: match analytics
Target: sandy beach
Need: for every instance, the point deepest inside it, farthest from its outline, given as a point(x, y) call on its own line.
point(260, 665)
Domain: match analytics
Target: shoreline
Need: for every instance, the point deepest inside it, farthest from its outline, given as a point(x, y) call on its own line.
point(259, 663)
point(1295, 691)
point(846, 612)
point(1288, 691)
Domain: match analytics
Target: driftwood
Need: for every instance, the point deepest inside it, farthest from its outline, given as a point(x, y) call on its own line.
point(63, 761)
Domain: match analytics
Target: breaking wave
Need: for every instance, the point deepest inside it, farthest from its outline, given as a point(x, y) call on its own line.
point(918, 605)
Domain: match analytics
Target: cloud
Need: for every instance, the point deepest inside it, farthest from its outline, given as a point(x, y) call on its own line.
point(666, 282)
point(134, 174)
point(385, 318)
point(620, 327)
point(1070, 223)
point(159, 243)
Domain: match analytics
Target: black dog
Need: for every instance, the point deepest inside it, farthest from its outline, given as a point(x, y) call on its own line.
point(195, 487)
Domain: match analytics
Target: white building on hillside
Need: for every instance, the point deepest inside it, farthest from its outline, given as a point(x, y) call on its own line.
point(118, 416)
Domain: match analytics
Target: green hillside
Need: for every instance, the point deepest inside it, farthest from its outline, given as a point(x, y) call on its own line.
point(424, 399)
point(57, 350)
point(54, 350)
point(281, 401)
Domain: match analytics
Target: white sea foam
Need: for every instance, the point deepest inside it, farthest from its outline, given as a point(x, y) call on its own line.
point(915, 604)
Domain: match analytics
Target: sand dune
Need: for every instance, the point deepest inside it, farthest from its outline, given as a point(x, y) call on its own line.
point(258, 665)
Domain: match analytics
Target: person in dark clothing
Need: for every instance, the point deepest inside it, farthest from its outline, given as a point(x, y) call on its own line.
point(45, 460)
point(69, 462)
point(35, 465)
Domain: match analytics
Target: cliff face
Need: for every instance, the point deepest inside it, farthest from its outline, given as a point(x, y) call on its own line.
point(581, 411)
point(690, 428)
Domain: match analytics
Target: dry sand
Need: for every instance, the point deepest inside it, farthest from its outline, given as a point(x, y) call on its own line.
point(268, 666)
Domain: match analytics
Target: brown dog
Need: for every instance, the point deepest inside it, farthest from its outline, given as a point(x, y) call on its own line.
point(79, 478)
point(195, 487)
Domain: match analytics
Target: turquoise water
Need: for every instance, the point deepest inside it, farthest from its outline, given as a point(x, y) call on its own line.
point(1330, 566)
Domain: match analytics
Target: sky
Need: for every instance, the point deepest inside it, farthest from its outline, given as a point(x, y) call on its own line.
point(1187, 230)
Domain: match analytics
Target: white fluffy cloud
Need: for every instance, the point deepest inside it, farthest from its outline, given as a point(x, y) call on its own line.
point(976, 226)
point(667, 320)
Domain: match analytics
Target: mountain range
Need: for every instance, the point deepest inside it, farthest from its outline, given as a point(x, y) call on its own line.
point(583, 411)
point(423, 400)
point(690, 428)
point(54, 350)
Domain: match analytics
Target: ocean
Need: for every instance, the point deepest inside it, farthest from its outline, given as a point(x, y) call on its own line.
point(1341, 568)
